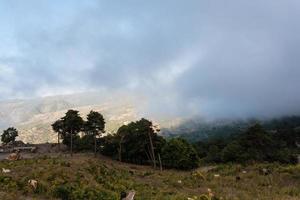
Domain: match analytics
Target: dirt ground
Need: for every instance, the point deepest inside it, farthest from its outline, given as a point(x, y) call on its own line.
point(42, 149)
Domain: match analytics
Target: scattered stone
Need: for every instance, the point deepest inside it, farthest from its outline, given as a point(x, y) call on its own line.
point(217, 175)
point(33, 184)
point(210, 193)
point(5, 171)
point(265, 172)
point(14, 156)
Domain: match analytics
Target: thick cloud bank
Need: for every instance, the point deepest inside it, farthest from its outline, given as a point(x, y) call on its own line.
point(209, 58)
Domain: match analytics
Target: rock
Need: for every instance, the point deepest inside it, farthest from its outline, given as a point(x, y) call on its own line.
point(33, 184)
point(217, 175)
point(130, 196)
point(265, 171)
point(14, 156)
point(5, 171)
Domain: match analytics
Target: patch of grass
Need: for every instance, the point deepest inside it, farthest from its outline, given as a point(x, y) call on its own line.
point(84, 177)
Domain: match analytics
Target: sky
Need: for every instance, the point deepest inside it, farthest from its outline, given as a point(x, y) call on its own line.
point(225, 58)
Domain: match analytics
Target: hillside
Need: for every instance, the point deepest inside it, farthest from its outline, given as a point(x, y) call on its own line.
point(195, 129)
point(33, 117)
point(85, 177)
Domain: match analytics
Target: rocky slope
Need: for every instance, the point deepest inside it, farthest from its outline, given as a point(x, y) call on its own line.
point(33, 117)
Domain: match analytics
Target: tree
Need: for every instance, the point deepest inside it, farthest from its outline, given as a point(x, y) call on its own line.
point(132, 143)
point(58, 127)
point(233, 152)
point(214, 154)
point(9, 135)
point(110, 146)
point(150, 130)
point(257, 144)
point(71, 124)
point(120, 137)
point(178, 153)
point(95, 126)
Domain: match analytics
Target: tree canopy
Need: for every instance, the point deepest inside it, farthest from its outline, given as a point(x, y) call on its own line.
point(95, 123)
point(254, 144)
point(131, 142)
point(179, 154)
point(9, 135)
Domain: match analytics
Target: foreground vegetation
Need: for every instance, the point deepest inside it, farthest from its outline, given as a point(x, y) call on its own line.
point(86, 177)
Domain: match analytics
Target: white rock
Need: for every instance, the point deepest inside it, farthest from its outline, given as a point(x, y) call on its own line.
point(5, 170)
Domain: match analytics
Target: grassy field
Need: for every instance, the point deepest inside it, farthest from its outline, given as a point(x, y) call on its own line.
point(86, 177)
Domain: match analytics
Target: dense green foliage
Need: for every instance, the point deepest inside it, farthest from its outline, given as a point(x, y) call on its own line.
point(94, 126)
point(178, 153)
point(72, 124)
point(254, 144)
point(9, 135)
point(132, 144)
point(138, 142)
point(202, 130)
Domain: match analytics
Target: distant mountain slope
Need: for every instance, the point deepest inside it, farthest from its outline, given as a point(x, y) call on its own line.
point(199, 129)
point(33, 117)
point(195, 130)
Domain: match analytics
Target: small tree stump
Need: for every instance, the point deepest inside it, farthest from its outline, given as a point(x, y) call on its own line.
point(130, 196)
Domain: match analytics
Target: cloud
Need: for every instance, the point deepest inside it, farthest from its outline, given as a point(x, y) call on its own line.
point(207, 58)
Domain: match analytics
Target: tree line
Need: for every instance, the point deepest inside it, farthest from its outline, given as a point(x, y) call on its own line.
point(139, 142)
point(132, 143)
point(69, 126)
point(255, 144)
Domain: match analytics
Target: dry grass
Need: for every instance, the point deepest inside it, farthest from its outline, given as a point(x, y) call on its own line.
point(84, 177)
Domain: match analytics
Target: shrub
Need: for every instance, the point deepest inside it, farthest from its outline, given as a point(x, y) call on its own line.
point(63, 192)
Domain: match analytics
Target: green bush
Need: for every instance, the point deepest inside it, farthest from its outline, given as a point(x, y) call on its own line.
point(178, 153)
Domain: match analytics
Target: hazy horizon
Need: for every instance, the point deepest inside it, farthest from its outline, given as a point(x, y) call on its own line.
point(213, 59)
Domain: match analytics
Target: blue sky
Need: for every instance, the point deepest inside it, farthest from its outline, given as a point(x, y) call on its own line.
point(211, 58)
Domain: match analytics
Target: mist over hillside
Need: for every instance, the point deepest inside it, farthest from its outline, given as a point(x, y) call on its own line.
point(33, 117)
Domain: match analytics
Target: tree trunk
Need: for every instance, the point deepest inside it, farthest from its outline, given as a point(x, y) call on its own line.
point(95, 143)
point(58, 142)
point(120, 149)
point(120, 152)
point(148, 154)
point(152, 150)
point(71, 143)
point(160, 165)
